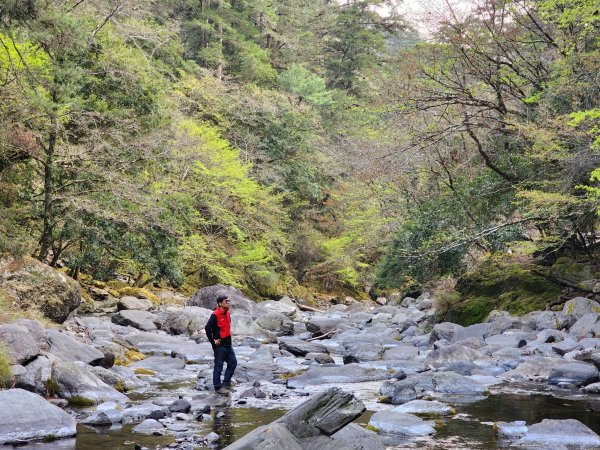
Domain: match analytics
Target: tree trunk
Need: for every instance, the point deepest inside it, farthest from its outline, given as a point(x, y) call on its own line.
point(46, 238)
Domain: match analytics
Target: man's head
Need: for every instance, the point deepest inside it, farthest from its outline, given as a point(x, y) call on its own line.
point(223, 302)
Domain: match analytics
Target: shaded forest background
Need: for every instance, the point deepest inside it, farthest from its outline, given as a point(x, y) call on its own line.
point(296, 147)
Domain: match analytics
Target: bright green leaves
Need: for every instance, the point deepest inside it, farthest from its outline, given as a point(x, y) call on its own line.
point(306, 85)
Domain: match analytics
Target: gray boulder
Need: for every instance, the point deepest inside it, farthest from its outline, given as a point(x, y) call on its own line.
point(67, 348)
point(451, 354)
point(355, 437)
point(207, 298)
point(319, 324)
point(142, 304)
point(401, 423)
point(362, 351)
point(300, 348)
point(242, 324)
point(324, 413)
point(149, 426)
point(187, 320)
point(288, 309)
point(584, 325)
point(444, 330)
point(277, 323)
point(26, 416)
point(580, 306)
point(20, 346)
point(142, 320)
point(36, 375)
point(37, 332)
point(268, 437)
point(349, 373)
point(401, 352)
point(557, 434)
point(511, 430)
point(577, 373)
point(77, 381)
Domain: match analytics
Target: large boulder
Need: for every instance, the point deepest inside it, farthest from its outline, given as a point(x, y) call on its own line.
point(21, 347)
point(35, 376)
point(67, 348)
point(444, 330)
point(26, 416)
point(128, 302)
point(580, 306)
point(551, 433)
point(28, 283)
point(300, 348)
point(187, 320)
point(451, 354)
point(272, 436)
point(77, 382)
point(277, 323)
point(142, 320)
point(577, 373)
point(207, 298)
point(288, 309)
point(324, 413)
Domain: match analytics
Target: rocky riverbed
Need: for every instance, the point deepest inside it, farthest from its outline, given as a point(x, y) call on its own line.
point(134, 373)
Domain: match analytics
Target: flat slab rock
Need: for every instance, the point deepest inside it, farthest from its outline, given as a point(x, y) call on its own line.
point(401, 423)
point(424, 407)
point(349, 373)
point(26, 416)
point(555, 434)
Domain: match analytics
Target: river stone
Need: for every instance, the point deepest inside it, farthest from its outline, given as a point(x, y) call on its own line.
point(541, 320)
point(187, 320)
point(206, 297)
point(444, 330)
point(26, 416)
point(276, 322)
point(180, 406)
point(37, 332)
point(20, 346)
point(428, 407)
point(533, 368)
point(104, 417)
point(511, 430)
point(362, 351)
point(576, 373)
point(320, 324)
point(127, 302)
point(36, 375)
point(355, 437)
point(149, 426)
point(75, 380)
point(452, 354)
point(593, 388)
point(29, 283)
point(551, 433)
point(325, 413)
point(281, 307)
point(580, 306)
point(349, 373)
point(274, 436)
point(583, 326)
point(142, 320)
point(300, 348)
point(478, 331)
point(321, 358)
point(138, 413)
point(401, 352)
point(401, 423)
point(67, 348)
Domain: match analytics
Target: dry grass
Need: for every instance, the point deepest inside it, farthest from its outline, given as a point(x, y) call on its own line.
point(10, 311)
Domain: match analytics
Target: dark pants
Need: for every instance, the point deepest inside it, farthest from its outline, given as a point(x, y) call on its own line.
point(223, 355)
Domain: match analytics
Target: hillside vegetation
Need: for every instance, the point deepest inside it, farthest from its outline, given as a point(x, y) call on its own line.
point(295, 147)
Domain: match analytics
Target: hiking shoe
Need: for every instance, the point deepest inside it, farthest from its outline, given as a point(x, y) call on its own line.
point(229, 387)
point(222, 390)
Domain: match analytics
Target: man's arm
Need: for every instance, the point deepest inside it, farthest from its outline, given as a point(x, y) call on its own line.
point(209, 328)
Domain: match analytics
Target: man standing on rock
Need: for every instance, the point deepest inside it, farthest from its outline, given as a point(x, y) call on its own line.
point(218, 331)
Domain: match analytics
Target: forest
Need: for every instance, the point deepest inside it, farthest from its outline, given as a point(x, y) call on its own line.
point(300, 147)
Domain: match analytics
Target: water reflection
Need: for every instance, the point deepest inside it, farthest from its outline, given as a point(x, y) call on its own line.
point(222, 425)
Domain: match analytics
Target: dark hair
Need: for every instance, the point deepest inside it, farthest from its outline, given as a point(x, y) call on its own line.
point(221, 297)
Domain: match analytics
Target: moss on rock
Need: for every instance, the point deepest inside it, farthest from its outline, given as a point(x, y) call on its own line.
point(139, 293)
point(503, 283)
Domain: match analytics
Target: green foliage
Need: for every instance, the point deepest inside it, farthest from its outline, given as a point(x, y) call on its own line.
point(5, 372)
point(306, 85)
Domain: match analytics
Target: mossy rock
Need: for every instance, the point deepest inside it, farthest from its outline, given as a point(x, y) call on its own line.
point(129, 357)
point(79, 400)
point(142, 371)
point(5, 373)
point(116, 285)
point(503, 283)
point(580, 274)
point(139, 293)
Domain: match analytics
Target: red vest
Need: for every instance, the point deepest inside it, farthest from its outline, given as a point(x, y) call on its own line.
point(223, 322)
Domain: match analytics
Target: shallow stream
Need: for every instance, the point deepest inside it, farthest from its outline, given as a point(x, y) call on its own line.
point(470, 428)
